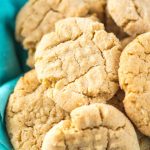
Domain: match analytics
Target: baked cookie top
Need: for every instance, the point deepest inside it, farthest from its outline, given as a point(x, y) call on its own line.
point(30, 113)
point(133, 16)
point(96, 126)
point(80, 60)
point(39, 16)
point(134, 78)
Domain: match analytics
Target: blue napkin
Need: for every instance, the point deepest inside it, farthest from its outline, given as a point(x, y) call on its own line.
point(12, 61)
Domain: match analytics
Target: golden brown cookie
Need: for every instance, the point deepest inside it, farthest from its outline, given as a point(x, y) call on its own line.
point(30, 113)
point(38, 17)
point(93, 127)
point(80, 60)
point(133, 16)
point(134, 78)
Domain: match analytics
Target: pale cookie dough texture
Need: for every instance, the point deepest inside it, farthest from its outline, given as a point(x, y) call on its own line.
point(93, 127)
point(134, 78)
point(39, 16)
point(133, 16)
point(30, 114)
point(80, 60)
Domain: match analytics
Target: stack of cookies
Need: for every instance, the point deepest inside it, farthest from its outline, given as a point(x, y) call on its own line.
point(89, 87)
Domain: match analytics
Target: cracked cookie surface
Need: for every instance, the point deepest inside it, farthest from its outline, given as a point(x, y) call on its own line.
point(38, 17)
point(134, 78)
point(93, 127)
point(80, 60)
point(30, 113)
point(133, 16)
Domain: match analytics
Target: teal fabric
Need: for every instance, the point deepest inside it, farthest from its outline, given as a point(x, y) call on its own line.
point(5, 91)
point(12, 61)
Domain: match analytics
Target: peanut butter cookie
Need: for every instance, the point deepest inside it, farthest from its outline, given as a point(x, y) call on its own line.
point(93, 127)
point(30, 114)
point(134, 78)
point(38, 17)
point(80, 60)
point(133, 16)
